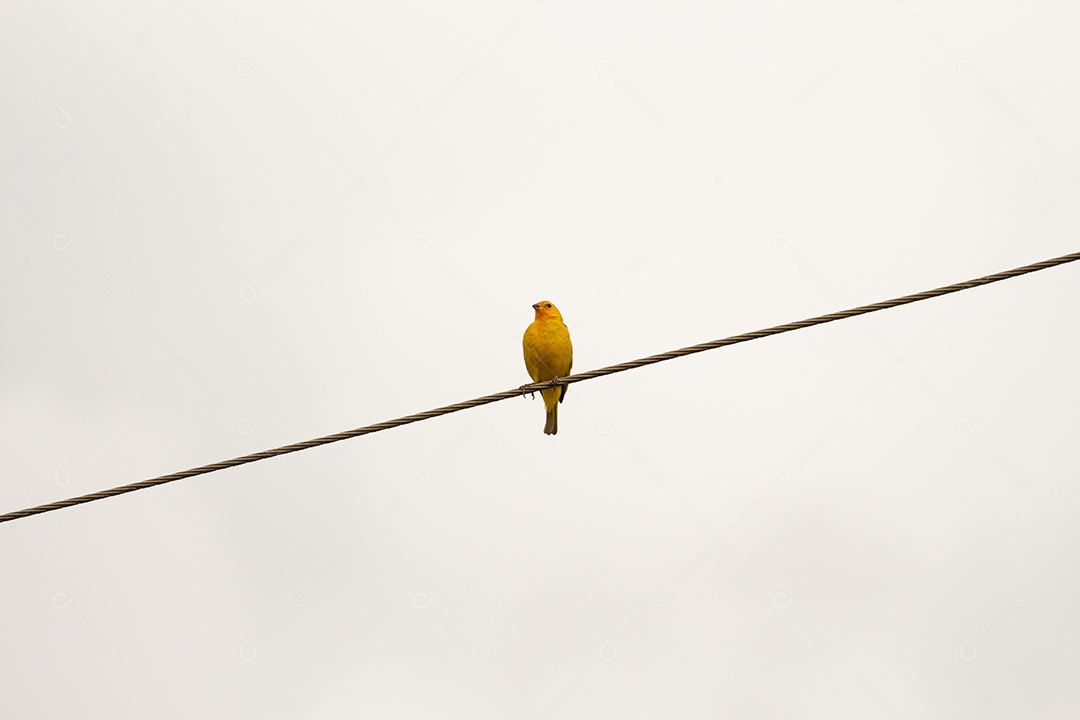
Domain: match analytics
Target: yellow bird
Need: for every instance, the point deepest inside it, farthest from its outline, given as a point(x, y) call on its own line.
point(548, 355)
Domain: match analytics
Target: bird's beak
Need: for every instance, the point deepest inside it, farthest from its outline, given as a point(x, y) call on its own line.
point(536, 306)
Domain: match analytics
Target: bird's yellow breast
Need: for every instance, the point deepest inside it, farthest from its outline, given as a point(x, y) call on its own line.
point(548, 352)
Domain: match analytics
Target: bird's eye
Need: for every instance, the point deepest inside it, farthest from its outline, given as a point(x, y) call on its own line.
point(547, 305)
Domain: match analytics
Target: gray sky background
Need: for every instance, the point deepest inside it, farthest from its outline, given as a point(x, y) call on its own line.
point(233, 227)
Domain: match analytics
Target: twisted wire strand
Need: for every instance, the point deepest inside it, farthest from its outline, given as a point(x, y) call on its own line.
point(534, 387)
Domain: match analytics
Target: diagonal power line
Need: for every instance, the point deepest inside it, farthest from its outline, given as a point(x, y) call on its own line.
point(534, 387)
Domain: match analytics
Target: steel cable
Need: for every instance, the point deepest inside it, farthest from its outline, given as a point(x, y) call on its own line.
point(524, 389)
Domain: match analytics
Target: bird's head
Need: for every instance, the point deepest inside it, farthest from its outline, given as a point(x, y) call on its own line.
point(545, 310)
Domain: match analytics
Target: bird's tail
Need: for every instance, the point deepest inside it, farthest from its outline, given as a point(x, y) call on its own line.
point(552, 425)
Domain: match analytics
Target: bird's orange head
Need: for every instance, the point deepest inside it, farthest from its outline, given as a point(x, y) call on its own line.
point(545, 310)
